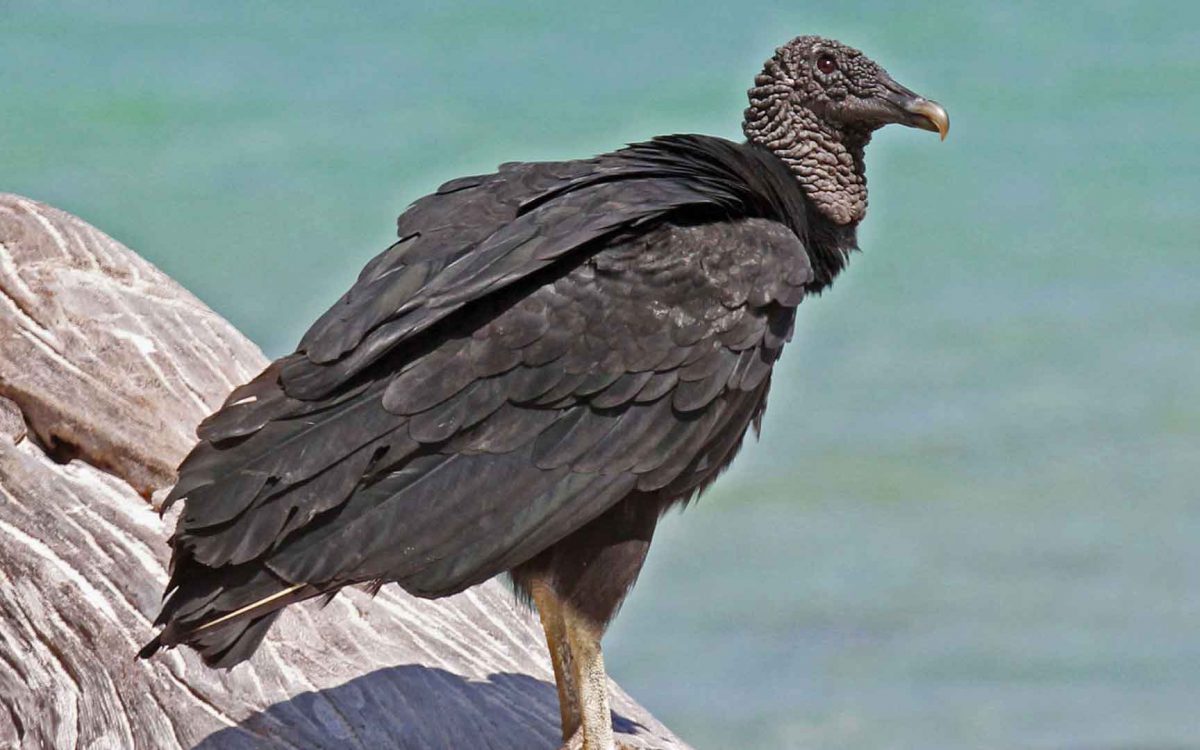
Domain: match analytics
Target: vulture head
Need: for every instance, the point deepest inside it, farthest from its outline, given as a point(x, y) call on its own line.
point(815, 106)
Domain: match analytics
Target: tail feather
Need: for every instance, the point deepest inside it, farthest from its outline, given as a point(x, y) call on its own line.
point(224, 614)
point(232, 643)
point(223, 646)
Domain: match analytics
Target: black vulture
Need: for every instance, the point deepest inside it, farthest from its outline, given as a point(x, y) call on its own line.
point(548, 358)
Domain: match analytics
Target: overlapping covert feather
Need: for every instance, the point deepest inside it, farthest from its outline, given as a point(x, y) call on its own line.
point(540, 343)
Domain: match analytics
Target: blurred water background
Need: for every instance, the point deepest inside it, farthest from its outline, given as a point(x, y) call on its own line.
point(972, 519)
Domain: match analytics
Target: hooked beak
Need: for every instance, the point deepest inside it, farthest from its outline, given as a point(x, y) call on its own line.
point(913, 110)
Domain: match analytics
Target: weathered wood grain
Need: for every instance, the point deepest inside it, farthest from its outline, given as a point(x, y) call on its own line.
point(108, 365)
point(12, 423)
point(106, 355)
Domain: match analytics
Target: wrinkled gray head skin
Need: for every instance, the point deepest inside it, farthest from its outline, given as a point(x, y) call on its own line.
point(815, 106)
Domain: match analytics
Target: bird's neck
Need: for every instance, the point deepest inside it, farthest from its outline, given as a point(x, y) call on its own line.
point(828, 242)
point(827, 162)
point(829, 168)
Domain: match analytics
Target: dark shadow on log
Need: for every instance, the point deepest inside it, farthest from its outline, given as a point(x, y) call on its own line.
point(413, 708)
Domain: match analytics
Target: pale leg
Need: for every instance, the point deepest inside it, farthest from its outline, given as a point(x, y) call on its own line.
point(591, 680)
point(550, 610)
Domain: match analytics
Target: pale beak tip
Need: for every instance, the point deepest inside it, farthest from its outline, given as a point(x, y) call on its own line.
point(937, 115)
point(933, 114)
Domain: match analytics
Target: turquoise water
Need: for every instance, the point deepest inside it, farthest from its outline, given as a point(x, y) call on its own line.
point(972, 521)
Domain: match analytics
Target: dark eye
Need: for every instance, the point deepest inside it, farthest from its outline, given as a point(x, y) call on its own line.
point(826, 64)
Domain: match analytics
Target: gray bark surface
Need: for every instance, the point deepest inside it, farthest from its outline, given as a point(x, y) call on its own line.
point(106, 366)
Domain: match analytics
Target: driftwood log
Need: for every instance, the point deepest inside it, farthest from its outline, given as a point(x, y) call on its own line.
point(106, 366)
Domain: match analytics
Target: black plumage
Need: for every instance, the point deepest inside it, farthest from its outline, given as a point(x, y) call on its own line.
point(547, 359)
point(445, 434)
